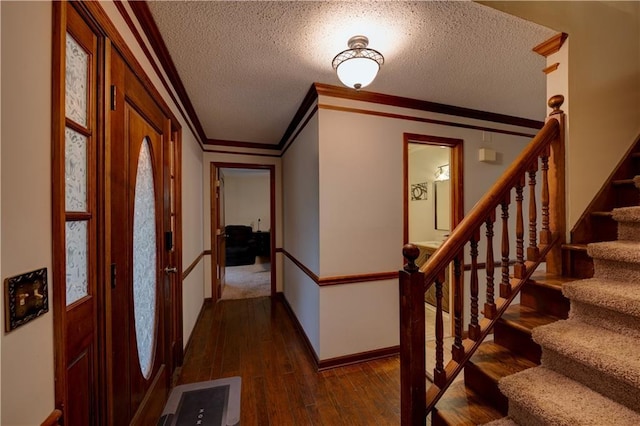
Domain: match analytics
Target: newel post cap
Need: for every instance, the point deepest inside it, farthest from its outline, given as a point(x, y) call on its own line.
point(555, 102)
point(411, 253)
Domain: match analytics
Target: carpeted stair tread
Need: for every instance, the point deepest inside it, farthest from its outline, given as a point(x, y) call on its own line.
point(620, 251)
point(547, 397)
point(462, 406)
point(626, 214)
point(497, 362)
point(617, 296)
point(612, 353)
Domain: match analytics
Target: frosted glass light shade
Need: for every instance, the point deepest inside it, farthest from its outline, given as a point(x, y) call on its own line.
point(357, 66)
point(357, 72)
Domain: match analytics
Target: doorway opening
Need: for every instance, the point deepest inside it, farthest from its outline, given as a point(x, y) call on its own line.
point(243, 227)
point(433, 205)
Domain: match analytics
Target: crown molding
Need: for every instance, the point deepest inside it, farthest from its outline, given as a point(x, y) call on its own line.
point(143, 15)
point(399, 101)
point(551, 46)
point(241, 144)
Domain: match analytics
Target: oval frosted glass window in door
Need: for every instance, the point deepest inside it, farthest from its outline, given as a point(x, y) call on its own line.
point(144, 259)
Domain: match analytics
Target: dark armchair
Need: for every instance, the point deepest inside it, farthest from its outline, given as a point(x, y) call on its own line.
point(240, 245)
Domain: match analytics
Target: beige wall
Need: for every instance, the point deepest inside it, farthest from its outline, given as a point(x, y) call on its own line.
point(302, 233)
point(192, 236)
point(360, 161)
point(246, 199)
point(27, 353)
point(603, 86)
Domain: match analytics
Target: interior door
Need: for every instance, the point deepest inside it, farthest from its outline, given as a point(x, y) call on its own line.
point(139, 308)
point(221, 236)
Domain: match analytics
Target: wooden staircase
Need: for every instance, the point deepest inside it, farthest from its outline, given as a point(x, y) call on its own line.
point(477, 399)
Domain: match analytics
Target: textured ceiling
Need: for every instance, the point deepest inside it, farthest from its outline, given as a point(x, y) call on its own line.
point(247, 65)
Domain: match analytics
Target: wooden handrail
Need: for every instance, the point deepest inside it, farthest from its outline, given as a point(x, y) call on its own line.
point(52, 419)
point(491, 200)
point(544, 154)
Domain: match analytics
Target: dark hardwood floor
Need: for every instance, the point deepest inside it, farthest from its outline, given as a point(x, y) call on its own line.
point(257, 340)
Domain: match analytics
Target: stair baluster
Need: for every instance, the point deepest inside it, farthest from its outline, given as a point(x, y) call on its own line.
point(545, 233)
point(518, 270)
point(532, 250)
point(490, 306)
point(505, 285)
point(439, 375)
point(457, 352)
point(474, 326)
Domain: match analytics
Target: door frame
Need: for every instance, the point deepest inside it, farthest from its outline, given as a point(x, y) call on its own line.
point(214, 171)
point(456, 173)
point(109, 37)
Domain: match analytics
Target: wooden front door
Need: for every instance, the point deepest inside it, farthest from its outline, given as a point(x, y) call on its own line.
point(140, 264)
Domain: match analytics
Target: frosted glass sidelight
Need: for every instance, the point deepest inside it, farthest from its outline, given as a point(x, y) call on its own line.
point(75, 171)
point(77, 260)
point(144, 259)
point(77, 71)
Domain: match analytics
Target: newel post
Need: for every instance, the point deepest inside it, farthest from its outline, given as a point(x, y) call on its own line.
point(412, 341)
point(556, 173)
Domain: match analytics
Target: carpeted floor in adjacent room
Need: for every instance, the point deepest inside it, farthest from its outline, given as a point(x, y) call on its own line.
point(245, 282)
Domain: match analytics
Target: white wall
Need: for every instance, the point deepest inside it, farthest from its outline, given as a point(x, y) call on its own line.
point(27, 352)
point(192, 236)
point(302, 228)
point(361, 212)
point(212, 157)
point(603, 86)
point(246, 198)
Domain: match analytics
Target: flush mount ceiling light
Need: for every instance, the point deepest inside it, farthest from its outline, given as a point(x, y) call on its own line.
point(357, 66)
